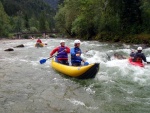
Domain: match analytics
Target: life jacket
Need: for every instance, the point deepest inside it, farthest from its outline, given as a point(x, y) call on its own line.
point(39, 41)
point(138, 59)
point(74, 58)
point(61, 53)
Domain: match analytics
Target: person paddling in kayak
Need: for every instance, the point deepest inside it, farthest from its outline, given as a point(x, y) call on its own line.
point(76, 54)
point(62, 53)
point(39, 41)
point(132, 54)
point(139, 56)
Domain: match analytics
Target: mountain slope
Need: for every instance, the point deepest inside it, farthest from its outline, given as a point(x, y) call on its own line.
point(29, 7)
point(54, 3)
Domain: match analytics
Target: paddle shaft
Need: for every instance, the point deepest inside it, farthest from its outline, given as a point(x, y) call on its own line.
point(44, 60)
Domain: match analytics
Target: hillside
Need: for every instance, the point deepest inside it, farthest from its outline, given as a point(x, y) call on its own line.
point(28, 7)
point(53, 3)
point(25, 16)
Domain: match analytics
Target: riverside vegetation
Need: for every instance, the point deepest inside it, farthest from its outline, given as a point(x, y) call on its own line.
point(104, 20)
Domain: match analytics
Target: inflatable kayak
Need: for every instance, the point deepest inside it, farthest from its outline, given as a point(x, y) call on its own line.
point(39, 45)
point(81, 72)
point(136, 63)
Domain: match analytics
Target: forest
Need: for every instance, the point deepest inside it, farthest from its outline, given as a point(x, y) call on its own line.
point(25, 16)
point(103, 20)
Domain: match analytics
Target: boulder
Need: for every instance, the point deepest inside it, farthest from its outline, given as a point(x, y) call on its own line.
point(119, 56)
point(9, 49)
point(21, 45)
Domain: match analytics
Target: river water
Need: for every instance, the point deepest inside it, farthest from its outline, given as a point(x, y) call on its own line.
point(26, 86)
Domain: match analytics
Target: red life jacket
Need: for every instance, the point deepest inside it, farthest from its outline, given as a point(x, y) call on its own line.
point(39, 41)
point(138, 59)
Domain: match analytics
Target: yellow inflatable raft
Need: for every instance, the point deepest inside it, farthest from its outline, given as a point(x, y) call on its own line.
point(81, 72)
point(39, 45)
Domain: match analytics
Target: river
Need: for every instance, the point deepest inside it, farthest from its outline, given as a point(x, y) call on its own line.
point(26, 86)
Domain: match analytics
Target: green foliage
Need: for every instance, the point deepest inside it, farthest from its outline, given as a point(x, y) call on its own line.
point(146, 15)
point(87, 18)
point(33, 29)
point(26, 21)
point(60, 20)
point(27, 7)
point(4, 22)
point(26, 15)
point(34, 23)
point(130, 15)
point(24, 30)
point(66, 15)
point(17, 23)
point(43, 23)
point(104, 19)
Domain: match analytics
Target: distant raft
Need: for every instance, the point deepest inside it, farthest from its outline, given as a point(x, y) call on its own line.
point(136, 63)
point(39, 45)
point(80, 72)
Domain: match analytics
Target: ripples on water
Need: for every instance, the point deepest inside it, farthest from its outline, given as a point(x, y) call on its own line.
point(29, 87)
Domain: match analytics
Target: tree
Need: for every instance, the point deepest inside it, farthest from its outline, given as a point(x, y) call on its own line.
point(26, 20)
point(42, 22)
point(4, 22)
point(146, 15)
point(131, 19)
point(33, 23)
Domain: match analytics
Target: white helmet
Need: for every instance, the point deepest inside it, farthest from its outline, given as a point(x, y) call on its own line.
point(62, 41)
point(139, 48)
point(77, 41)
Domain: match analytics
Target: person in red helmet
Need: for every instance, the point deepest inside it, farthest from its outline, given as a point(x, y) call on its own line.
point(62, 53)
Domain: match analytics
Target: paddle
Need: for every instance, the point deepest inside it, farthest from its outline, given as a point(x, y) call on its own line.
point(86, 63)
point(148, 62)
point(43, 60)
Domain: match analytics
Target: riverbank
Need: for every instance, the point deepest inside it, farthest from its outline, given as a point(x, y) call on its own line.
point(143, 39)
point(130, 39)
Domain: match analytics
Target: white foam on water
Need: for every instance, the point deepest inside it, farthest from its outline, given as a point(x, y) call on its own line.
point(148, 58)
point(76, 102)
point(50, 47)
point(23, 60)
point(11, 60)
point(95, 56)
point(103, 77)
point(89, 89)
point(34, 63)
point(79, 103)
point(116, 67)
point(30, 44)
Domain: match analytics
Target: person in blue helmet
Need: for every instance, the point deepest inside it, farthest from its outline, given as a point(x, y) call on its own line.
point(139, 56)
point(76, 54)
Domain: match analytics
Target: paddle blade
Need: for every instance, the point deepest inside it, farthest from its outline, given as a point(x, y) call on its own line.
point(43, 61)
point(86, 63)
point(148, 62)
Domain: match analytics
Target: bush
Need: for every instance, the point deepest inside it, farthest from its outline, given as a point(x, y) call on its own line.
point(33, 29)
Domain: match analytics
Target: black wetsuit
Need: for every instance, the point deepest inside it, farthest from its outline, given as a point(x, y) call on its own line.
point(139, 55)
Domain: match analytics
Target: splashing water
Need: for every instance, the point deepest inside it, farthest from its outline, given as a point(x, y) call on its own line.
point(28, 86)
